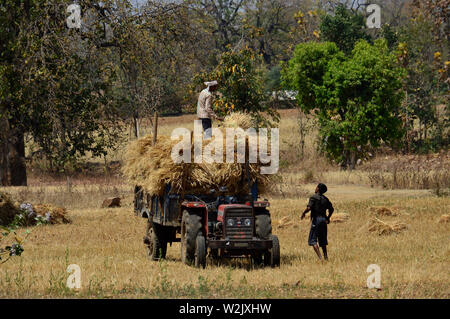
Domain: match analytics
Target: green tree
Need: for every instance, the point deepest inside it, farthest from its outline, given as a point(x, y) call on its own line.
point(55, 86)
point(241, 85)
point(66, 88)
point(344, 28)
point(222, 18)
point(423, 53)
point(355, 98)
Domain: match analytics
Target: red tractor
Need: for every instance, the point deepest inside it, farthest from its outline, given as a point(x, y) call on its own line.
point(217, 225)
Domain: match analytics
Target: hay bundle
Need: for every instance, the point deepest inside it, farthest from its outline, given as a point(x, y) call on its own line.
point(284, 222)
point(385, 228)
point(53, 215)
point(29, 214)
point(7, 210)
point(383, 211)
point(238, 119)
point(339, 218)
point(152, 167)
point(444, 219)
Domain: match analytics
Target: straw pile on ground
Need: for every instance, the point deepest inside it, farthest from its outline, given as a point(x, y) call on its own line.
point(384, 228)
point(444, 219)
point(339, 218)
point(285, 222)
point(8, 210)
point(383, 211)
point(28, 214)
point(151, 167)
point(52, 214)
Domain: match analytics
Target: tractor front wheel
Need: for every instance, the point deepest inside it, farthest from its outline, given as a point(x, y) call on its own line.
point(275, 252)
point(200, 252)
point(272, 256)
point(257, 258)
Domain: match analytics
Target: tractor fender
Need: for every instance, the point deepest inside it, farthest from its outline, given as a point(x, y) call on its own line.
point(199, 208)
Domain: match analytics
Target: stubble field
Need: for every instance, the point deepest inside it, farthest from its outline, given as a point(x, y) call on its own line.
point(107, 243)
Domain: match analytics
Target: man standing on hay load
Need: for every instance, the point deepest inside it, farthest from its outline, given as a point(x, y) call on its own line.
point(318, 205)
point(205, 112)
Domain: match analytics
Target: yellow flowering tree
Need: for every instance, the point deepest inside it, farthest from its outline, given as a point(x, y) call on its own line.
point(241, 86)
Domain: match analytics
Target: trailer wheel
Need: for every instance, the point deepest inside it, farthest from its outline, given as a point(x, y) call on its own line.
point(200, 252)
point(263, 224)
point(157, 246)
point(190, 229)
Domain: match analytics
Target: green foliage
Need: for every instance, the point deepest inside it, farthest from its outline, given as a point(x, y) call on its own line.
point(356, 99)
point(344, 28)
point(14, 246)
point(391, 36)
point(273, 79)
point(241, 85)
point(306, 70)
point(55, 83)
point(23, 218)
point(426, 85)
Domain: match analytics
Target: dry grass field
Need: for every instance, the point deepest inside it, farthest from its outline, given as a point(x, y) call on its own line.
point(107, 243)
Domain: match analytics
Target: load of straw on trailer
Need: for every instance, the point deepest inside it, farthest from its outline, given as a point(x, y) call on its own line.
point(151, 167)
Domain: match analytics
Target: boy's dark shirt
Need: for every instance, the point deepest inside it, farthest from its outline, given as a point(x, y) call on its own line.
point(319, 205)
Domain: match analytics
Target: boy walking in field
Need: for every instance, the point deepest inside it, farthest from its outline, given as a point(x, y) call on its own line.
point(318, 205)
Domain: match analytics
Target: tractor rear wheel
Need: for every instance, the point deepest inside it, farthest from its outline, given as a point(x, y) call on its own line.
point(200, 252)
point(157, 245)
point(263, 224)
point(191, 225)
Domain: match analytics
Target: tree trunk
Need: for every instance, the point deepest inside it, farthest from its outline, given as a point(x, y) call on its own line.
point(4, 164)
point(17, 164)
point(136, 126)
point(349, 160)
point(4, 151)
point(155, 128)
point(352, 161)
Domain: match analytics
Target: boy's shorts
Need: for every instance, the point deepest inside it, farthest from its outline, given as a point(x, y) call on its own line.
point(318, 232)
